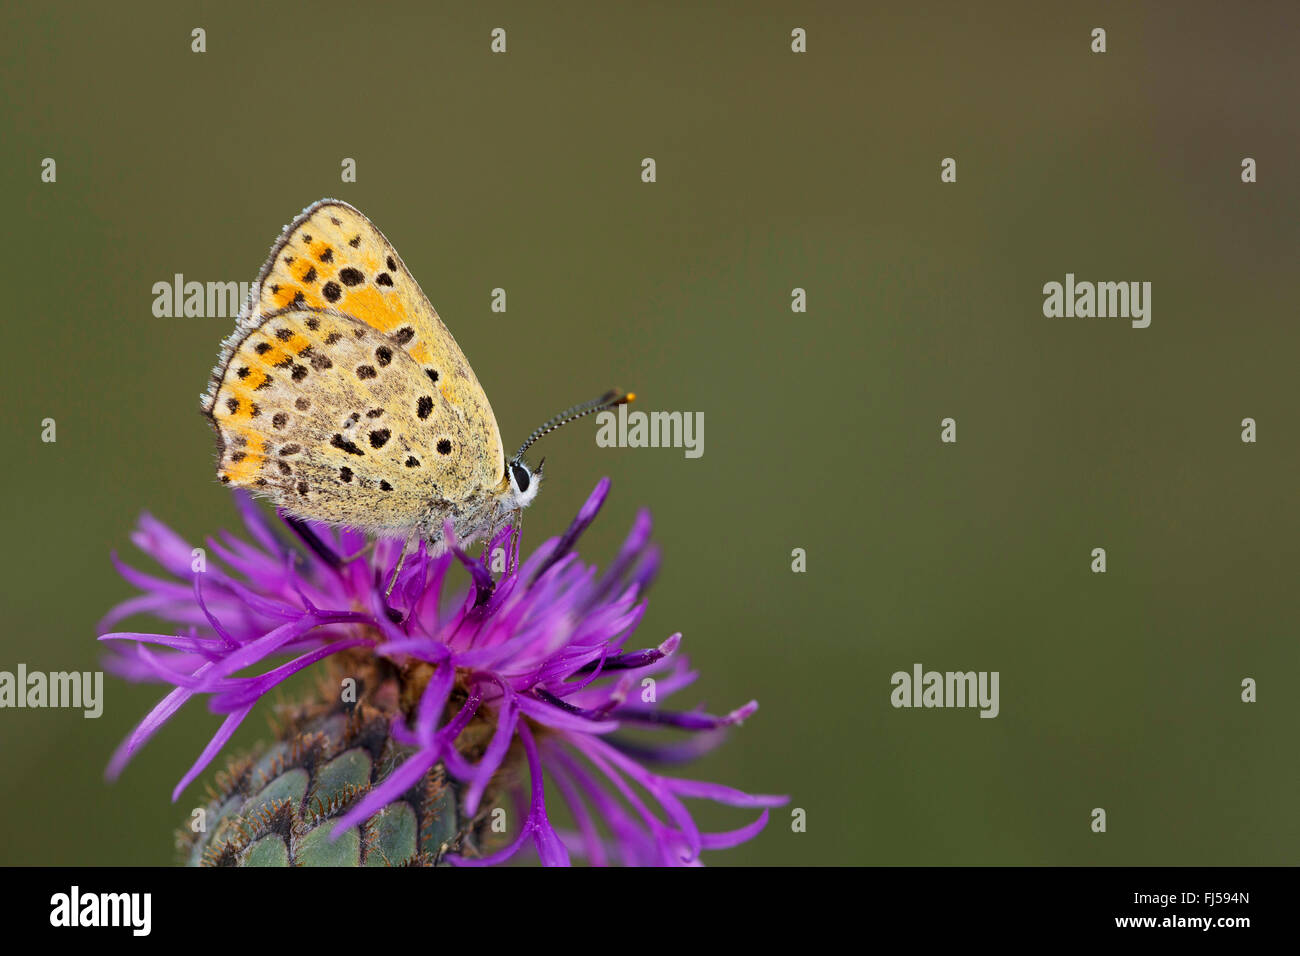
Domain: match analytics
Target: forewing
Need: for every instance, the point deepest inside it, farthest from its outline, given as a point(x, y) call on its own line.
point(333, 259)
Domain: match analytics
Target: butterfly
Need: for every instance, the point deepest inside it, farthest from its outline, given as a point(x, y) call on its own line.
point(342, 398)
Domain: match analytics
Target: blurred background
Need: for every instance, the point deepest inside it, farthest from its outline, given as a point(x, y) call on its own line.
point(775, 170)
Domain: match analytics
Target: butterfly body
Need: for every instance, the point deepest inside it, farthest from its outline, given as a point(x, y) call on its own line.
point(342, 397)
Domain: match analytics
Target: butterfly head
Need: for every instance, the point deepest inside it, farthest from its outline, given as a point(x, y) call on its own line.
point(521, 485)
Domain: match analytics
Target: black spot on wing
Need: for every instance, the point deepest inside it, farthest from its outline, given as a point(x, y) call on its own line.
point(338, 441)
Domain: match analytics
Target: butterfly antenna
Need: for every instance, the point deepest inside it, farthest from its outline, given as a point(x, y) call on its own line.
point(610, 399)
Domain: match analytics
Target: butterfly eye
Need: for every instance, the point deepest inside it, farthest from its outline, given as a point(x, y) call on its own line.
point(522, 477)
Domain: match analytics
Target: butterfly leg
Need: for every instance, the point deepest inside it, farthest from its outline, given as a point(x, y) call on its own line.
point(516, 537)
point(360, 553)
point(493, 525)
point(407, 546)
point(512, 554)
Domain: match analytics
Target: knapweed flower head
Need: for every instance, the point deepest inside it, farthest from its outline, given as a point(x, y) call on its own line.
point(520, 677)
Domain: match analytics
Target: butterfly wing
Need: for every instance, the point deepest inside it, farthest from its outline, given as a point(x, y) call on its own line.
point(337, 329)
point(332, 257)
point(329, 418)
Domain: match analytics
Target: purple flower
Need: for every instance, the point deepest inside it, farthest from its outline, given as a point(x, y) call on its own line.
point(532, 666)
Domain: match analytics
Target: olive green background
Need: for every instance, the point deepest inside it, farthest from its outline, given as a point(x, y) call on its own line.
point(775, 171)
